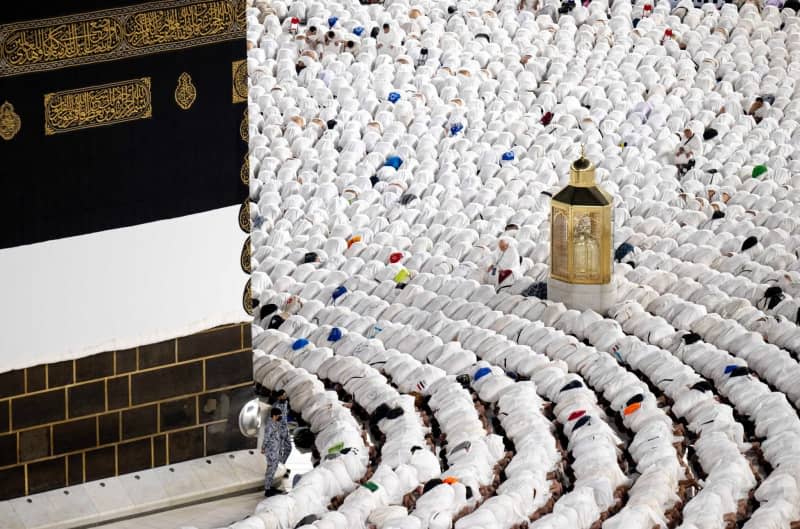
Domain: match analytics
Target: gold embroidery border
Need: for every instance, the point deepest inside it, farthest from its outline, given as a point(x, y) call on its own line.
point(244, 172)
point(244, 127)
point(244, 258)
point(145, 113)
point(247, 299)
point(244, 216)
point(124, 50)
point(239, 81)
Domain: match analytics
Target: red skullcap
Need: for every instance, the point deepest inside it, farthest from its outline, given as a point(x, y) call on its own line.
point(395, 257)
point(295, 20)
point(576, 415)
point(648, 7)
point(668, 32)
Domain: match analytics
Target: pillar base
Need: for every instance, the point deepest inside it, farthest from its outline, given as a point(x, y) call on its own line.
point(599, 298)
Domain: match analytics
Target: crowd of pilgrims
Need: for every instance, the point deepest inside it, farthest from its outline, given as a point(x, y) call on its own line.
point(402, 159)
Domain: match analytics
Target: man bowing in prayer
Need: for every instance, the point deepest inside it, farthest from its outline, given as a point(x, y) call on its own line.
point(271, 448)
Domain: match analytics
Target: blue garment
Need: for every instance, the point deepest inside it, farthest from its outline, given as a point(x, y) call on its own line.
point(482, 372)
point(393, 161)
point(335, 335)
point(339, 292)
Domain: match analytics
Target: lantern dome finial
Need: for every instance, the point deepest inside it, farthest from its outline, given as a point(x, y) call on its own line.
point(581, 172)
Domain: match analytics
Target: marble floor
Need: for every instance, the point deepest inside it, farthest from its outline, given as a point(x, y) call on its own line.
point(211, 514)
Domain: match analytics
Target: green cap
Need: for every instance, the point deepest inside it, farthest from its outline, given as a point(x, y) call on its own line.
point(758, 170)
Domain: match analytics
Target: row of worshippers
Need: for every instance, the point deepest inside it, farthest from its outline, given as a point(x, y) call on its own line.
point(341, 307)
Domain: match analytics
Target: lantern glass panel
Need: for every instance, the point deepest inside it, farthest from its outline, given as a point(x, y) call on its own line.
point(586, 246)
point(559, 238)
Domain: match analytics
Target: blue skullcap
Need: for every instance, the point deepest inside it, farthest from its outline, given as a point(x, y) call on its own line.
point(332, 21)
point(482, 372)
point(730, 368)
point(336, 334)
point(394, 97)
point(455, 129)
point(299, 344)
point(393, 161)
point(339, 292)
point(508, 156)
point(358, 30)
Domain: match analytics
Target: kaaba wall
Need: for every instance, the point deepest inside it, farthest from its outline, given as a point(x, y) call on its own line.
point(122, 168)
point(123, 411)
point(117, 113)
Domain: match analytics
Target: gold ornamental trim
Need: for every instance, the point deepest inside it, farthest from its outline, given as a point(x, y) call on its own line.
point(10, 122)
point(244, 257)
point(97, 106)
point(244, 129)
point(111, 34)
point(244, 216)
point(239, 75)
point(247, 299)
point(185, 92)
point(244, 172)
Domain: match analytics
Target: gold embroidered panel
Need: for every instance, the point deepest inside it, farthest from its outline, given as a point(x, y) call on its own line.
point(10, 122)
point(117, 33)
point(96, 106)
point(239, 81)
point(185, 92)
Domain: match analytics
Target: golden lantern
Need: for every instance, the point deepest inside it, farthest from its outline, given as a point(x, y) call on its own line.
point(581, 245)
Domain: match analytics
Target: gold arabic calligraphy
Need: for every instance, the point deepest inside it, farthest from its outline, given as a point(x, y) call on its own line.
point(163, 26)
point(116, 33)
point(62, 41)
point(97, 105)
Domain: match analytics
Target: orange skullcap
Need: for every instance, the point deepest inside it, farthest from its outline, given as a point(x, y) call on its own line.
point(632, 408)
point(450, 480)
point(352, 240)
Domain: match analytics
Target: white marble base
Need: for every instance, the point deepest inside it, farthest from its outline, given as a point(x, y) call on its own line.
point(599, 298)
point(136, 494)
